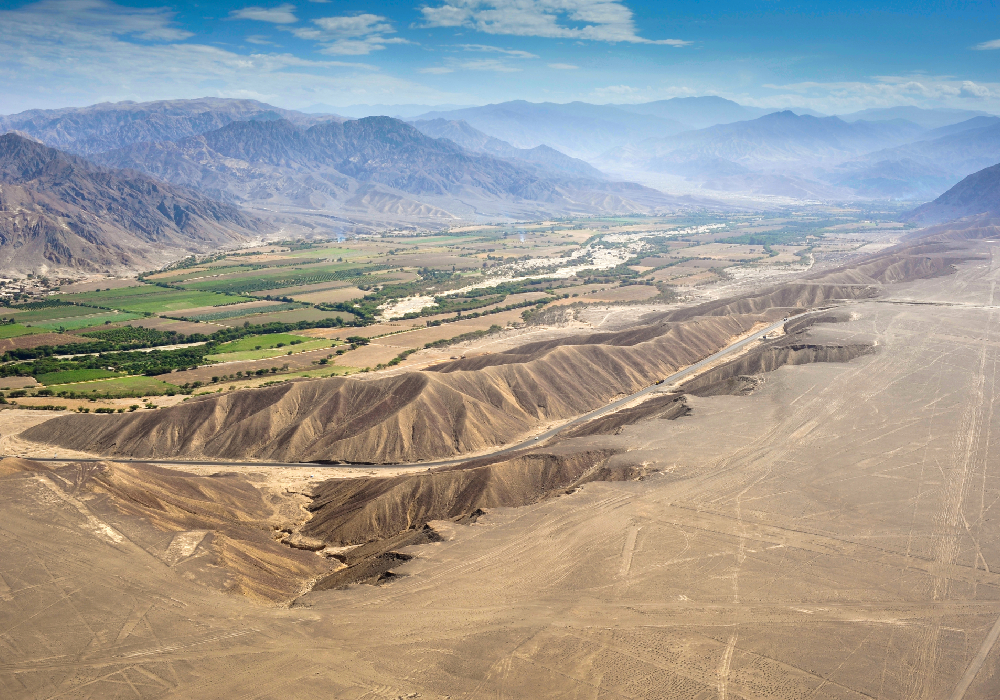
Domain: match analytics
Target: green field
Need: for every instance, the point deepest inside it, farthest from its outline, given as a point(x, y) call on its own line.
point(69, 324)
point(67, 311)
point(15, 330)
point(123, 386)
point(278, 278)
point(149, 298)
point(327, 253)
point(265, 353)
point(264, 341)
point(293, 316)
point(210, 272)
point(74, 375)
point(236, 311)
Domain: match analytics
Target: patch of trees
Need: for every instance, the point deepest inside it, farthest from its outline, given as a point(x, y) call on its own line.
point(152, 362)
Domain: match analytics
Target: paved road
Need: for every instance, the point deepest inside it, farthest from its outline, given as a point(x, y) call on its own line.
point(530, 442)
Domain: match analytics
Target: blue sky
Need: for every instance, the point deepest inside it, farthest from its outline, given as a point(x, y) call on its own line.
point(830, 56)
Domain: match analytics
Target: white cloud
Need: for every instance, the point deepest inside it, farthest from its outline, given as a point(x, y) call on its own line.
point(356, 25)
point(988, 45)
point(602, 20)
point(881, 91)
point(496, 49)
point(972, 90)
point(494, 65)
point(616, 92)
point(490, 64)
point(66, 20)
point(282, 14)
point(78, 52)
point(260, 40)
point(351, 35)
point(563, 66)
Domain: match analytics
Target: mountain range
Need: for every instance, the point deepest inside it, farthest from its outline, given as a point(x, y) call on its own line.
point(59, 211)
point(377, 166)
point(816, 157)
point(222, 157)
point(698, 112)
point(578, 129)
point(471, 139)
point(780, 153)
point(107, 126)
point(924, 168)
point(712, 145)
point(698, 144)
point(781, 139)
point(405, 111)
point(927, 118)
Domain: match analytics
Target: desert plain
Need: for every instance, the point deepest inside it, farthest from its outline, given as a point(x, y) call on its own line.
point(814, 517)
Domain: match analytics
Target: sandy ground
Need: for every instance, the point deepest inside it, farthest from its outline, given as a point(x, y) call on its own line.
point(278, 479)
point(100, 283)
point(331, 296)
point(631, 293)
point(833, 535)
point(18, 383)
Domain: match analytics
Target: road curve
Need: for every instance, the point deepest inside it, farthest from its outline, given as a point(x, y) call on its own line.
point(524, 444)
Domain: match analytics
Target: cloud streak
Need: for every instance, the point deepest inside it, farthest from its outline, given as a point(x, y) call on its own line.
point(351, 35)
point(602, 20)
point(283, 14)
point(490, 64)
point(70, 20)
point(880, 91)
point(496, 49)
point(988, 45)
point(74, 52)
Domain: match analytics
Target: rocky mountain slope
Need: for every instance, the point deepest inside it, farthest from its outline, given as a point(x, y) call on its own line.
point(376, 165)
point(928, 166)
point(107, 126)
point(58, 211)
point(979, 193)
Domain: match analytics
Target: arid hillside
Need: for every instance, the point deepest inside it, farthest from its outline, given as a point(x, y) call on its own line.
point(220, 530)
point(409, 417)
point(58, 211)
point(468, 405)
